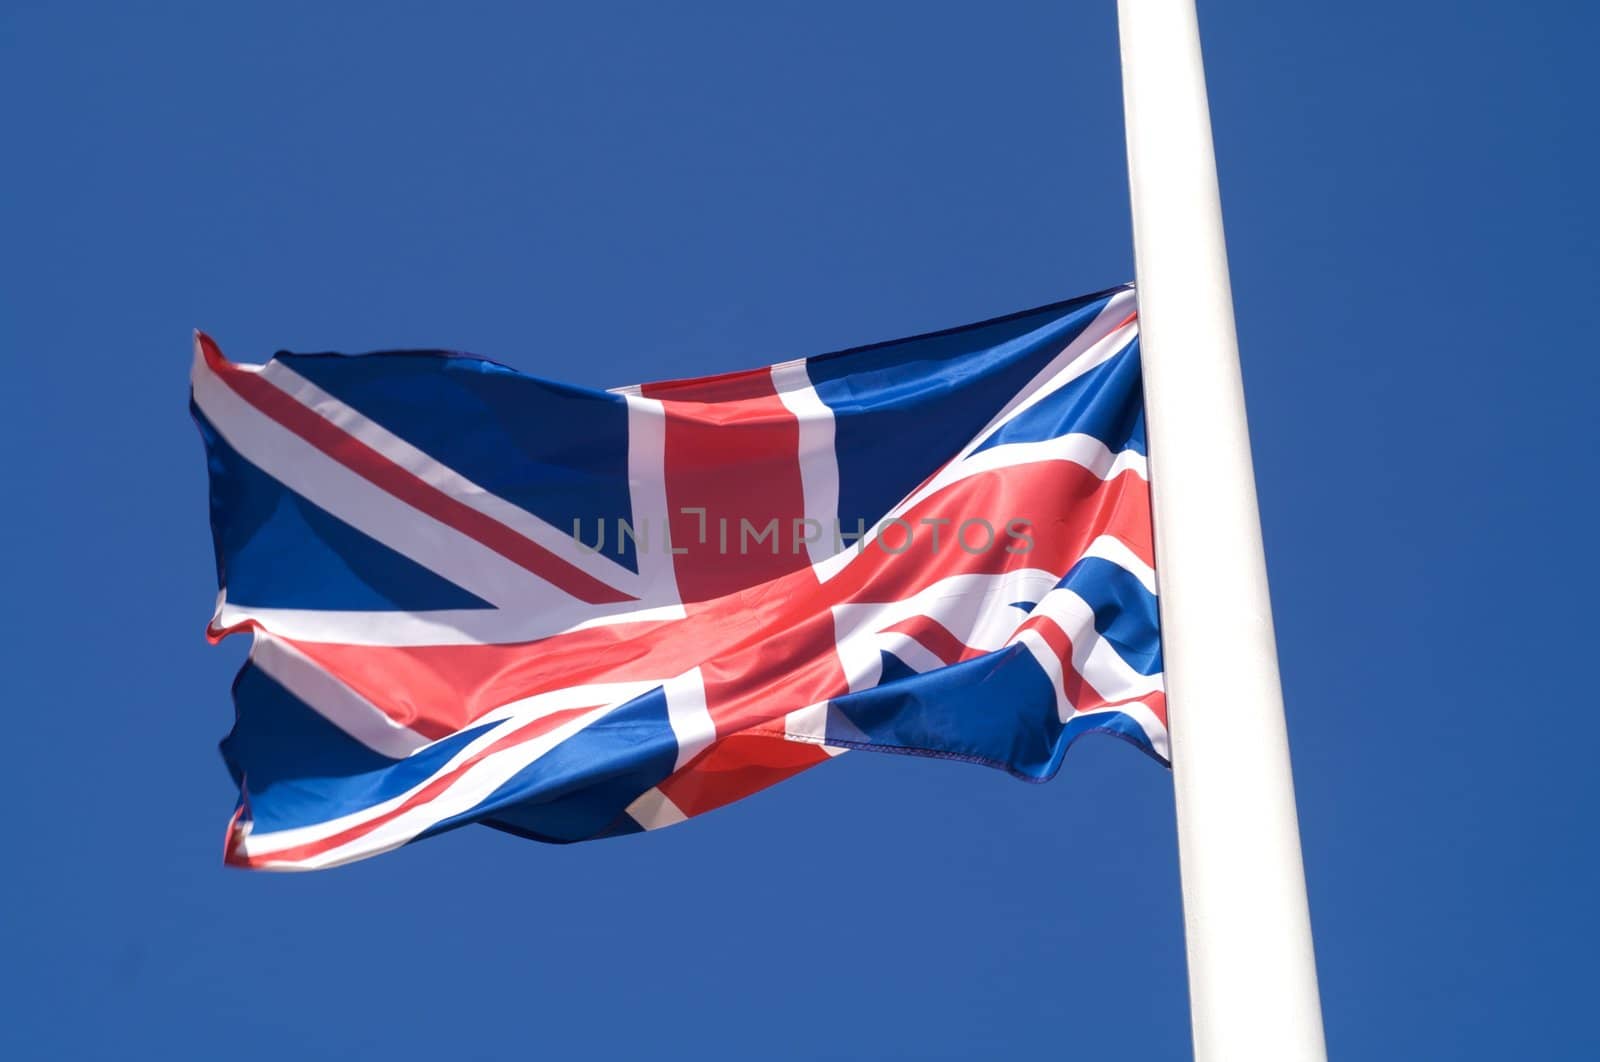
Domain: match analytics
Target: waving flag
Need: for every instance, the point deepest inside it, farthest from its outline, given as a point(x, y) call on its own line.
point(479, 596)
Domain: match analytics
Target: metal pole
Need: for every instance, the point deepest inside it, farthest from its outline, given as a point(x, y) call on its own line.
point(1252, 974)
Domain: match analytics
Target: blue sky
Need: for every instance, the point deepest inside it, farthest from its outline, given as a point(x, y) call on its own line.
point(607, 193)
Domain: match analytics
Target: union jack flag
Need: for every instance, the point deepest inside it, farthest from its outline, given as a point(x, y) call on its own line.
point(479, 596)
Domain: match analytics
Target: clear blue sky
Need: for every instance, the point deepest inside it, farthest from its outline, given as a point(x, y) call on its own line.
point(606, 193)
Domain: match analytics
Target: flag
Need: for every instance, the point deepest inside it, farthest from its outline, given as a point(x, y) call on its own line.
point(477, 596)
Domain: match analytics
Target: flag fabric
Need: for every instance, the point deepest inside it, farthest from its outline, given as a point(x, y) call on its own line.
point(476, 596)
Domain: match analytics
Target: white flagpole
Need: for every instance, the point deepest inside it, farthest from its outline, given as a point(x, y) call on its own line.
point(1252, 975)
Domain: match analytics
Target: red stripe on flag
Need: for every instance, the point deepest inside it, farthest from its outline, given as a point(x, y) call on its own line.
point(768, 650)
point(1083, 696)
point(934, 637)
point(732, 450)
point(735, 767)
point(1079, 508)
point(439, 689)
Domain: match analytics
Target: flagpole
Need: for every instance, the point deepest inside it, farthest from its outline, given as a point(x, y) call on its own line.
point(1252, 974)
